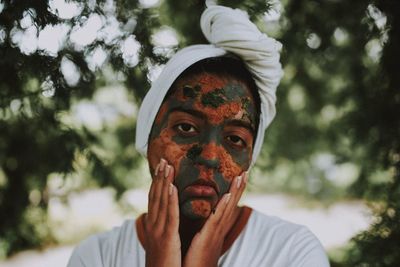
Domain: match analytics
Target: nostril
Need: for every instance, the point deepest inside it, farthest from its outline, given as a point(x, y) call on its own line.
point(206, 155)
point(209, 155)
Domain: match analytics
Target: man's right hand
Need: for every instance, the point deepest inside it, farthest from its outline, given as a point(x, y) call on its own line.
point(163, 245)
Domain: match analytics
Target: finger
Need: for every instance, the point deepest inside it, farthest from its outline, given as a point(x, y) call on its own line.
point(219, 209)
point(239, 187)
point(173, 209)
point(211, 225)
point(163, 207)
point(225, 207)
point(156, 190)
point(150, 203)
point(152, 187)
point(236, 190)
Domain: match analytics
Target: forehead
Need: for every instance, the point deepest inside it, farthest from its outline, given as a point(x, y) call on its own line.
point(206, 82)
point(218, 97)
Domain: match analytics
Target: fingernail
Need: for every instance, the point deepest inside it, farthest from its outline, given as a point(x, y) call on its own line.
point(157, 168)
point(227, 197)
point(167, 169)
point(246, 177)
point(163, 162)
point(238, 181)
point(171, 189)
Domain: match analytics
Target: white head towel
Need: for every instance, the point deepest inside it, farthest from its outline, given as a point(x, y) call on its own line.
point(227, 30)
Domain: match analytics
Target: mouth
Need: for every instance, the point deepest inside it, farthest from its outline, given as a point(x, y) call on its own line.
point(202, 188)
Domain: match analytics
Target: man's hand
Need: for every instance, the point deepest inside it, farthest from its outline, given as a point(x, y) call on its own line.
point(206, 246)
point(163, 245)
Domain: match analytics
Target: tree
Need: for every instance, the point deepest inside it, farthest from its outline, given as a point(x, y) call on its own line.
point(38, 83)
point(378, 246)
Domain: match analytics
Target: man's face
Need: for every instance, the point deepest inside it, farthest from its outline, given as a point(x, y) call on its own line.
point(205, 130)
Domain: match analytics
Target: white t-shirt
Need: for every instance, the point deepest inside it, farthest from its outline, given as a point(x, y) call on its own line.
point(264, 241)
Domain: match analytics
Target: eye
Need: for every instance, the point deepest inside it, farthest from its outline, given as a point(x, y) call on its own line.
point(186, 128)
point(236, 141)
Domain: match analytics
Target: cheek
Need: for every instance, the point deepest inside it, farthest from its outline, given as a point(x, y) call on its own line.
point(241, 158)
point(164, 147)
point(228, 167)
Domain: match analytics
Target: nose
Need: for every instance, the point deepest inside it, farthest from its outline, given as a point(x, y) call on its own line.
point(209, 156)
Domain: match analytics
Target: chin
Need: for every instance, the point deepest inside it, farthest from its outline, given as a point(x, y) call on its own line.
point(196, 209)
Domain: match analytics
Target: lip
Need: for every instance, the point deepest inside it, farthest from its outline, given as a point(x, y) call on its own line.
point(202, 188)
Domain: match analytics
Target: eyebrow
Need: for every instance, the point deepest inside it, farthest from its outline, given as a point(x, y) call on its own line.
point(201, 115)
point(242, 123)
point(192, 112)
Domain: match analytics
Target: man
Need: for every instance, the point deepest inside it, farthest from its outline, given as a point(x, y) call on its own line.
point(201, 126)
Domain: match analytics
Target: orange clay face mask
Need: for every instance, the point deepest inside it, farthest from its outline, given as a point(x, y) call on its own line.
point(205, 129)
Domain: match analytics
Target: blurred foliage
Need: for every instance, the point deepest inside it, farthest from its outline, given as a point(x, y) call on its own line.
point(336, 133)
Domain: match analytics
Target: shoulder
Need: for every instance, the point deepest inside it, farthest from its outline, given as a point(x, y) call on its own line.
point(271, 241)
point(260, 224)
point(104, 248)
point(292, 241)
